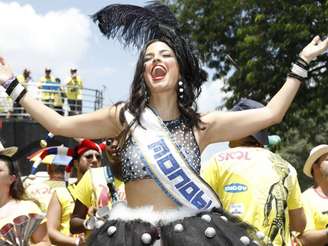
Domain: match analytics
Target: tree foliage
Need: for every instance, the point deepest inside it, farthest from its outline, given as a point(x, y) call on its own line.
point(263, 38)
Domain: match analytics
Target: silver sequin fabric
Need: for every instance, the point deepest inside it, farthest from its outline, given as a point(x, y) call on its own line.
point(132, 165)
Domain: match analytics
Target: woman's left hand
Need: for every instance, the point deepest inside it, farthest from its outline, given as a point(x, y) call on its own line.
point(315, 48)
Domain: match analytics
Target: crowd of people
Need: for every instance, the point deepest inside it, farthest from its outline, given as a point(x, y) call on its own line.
point(50, 90)
point(154, 190)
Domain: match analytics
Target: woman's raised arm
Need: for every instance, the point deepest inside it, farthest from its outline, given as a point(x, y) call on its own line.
point(98, 124)
point(225, 126)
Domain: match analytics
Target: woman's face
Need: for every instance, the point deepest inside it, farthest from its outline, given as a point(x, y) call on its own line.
point(5, 178)
point(161, 70)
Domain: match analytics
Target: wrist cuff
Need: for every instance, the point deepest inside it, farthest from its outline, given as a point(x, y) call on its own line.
point(15, 90)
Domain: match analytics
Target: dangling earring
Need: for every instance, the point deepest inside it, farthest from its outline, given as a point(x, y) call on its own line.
point(180, 89)
point(146, 93)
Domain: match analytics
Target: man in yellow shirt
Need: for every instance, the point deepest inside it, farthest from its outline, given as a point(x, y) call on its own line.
point(49, 87)
point(316, 197)
point(257, 185)
point(74, 88)
point(96, 190)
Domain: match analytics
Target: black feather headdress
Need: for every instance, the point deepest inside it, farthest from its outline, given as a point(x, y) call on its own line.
point(134, 25)
point(140, 26)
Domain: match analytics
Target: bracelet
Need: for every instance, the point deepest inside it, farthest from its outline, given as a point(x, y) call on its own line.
point(15, 90)
point(301, 60)
point(296, 69)
point(293, 75)
point(299, 69)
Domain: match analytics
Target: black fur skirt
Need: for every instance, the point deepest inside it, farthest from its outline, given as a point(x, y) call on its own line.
point(130, 227)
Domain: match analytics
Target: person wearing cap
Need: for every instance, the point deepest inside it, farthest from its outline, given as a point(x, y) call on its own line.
point(49, 87)
point(316, 197)
point(87, 155)
point(257, 185)
point(13, 200)
point(74, 88)
point(93, 192)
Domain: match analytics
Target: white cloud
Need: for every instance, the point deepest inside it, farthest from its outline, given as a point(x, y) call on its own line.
point(57, 39)
point(211, 97)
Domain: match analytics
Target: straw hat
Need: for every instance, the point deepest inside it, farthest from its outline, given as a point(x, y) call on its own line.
point(315, 154)
point(9, 152)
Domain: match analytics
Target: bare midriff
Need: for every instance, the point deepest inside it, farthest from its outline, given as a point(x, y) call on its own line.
point(145, 192)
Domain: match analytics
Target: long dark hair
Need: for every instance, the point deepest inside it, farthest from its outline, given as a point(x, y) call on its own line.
point(16, 190)
point(191, 76)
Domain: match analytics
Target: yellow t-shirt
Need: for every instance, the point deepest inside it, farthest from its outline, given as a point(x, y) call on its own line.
point(42, 191)
point(66, 198)
point(92, 189)
point(74, 87)
point(50, 88)
point(316, 209)
point(256, 185)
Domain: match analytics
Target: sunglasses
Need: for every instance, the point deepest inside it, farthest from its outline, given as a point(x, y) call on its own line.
point(90, 156)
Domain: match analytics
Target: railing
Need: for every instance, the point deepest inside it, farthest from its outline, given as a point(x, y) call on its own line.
point(54, 96)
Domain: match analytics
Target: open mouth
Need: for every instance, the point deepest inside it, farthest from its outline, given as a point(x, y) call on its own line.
point(158, 72)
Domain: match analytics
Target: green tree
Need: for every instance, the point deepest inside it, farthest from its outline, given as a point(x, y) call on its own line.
point(263, 38)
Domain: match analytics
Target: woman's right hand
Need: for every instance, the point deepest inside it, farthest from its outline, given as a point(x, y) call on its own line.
point(5, 71)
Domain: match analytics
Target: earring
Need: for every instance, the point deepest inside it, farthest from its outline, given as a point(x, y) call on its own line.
point(180, 89)
point(146, 93)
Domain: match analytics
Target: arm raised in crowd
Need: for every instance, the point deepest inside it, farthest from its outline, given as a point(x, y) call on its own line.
point(235, 125)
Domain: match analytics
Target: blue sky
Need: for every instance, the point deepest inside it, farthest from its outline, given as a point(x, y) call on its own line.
point(59, 34)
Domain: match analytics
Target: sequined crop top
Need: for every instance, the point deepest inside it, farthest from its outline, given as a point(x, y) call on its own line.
point(132, 165)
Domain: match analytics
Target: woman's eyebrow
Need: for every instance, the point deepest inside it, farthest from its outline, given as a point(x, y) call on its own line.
point(152, 53)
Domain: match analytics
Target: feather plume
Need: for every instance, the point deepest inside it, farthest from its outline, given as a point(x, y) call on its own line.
point(134, 25)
